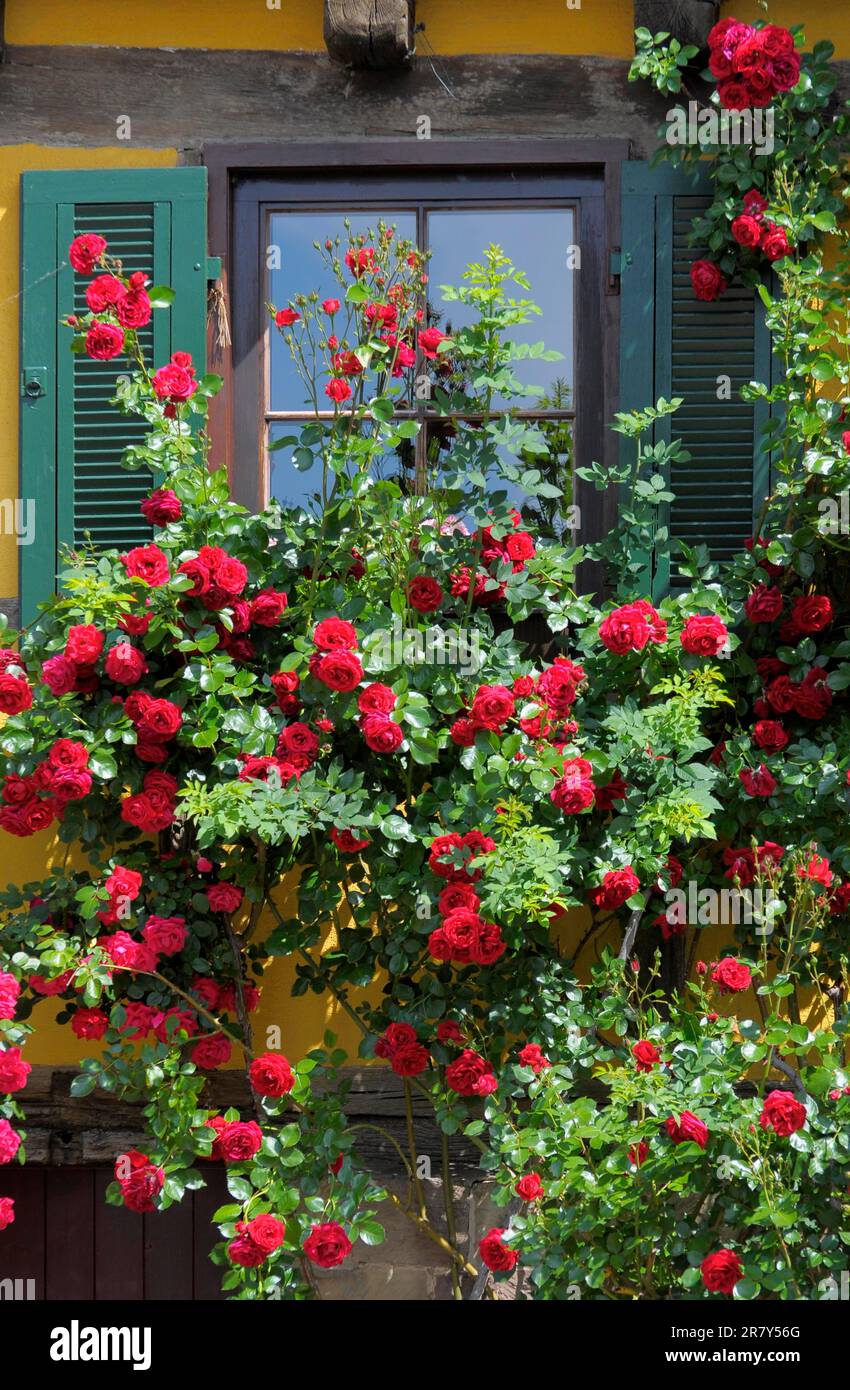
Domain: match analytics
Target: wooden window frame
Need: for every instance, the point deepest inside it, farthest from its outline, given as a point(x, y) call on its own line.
point(235, 416)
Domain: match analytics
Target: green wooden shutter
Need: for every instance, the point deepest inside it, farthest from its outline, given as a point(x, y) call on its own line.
point(72, 438)
point(673, 344)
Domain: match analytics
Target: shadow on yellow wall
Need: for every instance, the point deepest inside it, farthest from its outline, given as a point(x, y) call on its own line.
point(302, 1020)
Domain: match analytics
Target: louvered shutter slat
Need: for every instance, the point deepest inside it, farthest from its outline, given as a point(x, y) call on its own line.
point(672, 344)
point(72, 438)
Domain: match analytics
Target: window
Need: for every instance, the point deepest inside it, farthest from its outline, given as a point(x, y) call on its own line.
point(550, 225)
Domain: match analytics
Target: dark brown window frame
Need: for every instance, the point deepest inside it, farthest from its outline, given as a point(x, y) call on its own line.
point(235, 416)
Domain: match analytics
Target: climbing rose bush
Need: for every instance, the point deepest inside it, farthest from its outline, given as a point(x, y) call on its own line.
point(523, 848)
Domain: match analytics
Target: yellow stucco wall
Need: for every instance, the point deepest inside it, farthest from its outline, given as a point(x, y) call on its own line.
point(452, 26)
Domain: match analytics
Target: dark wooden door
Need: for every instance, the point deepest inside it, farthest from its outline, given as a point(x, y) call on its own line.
point(71, 1245)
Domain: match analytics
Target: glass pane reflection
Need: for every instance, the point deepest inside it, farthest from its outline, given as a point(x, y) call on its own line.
point(302, 271)
point(538, 241)
point(293, 487)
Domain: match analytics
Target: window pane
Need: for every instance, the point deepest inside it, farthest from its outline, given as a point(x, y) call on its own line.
point(293, 487)
point(539, 242)
point(549, 517)
point(301, 270)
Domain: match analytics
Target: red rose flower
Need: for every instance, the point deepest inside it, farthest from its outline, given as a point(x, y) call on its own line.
point(85, 251)
point(704, 635)
point(410, 1060)
point(347, 842)
point(102, 292)
point(162, 506)
point(455, 896)
point(239, 1140)
point(774, 242)
point(760, 782)
point(424, 594)
point(15, 694)
point(134, 309)
point(731, 976)
point(529, 1187)
point(165, 935)
point(492, 706)
point(83, 644)
point(531, 1055)
point(497, 1256)
point(125, 664)
point(271, 1075)
point(471, 1075)
point(59, 675)
point(285, 318)
point(338, 390)
point(10, 1142)
point(755, 203)
point(689, 1129)
point(734, 96)
point(646, 1055)
point(327, 1245)
point(13, 1070)
point(211, 1052)
point(575, 789)
point(429, 342)
point(381, 733)
point(811, 613)
point(707, 279)
point(376, 699)
point(816, 869)
point(175, 382)
point(104, 341)
point(361, 260)
point(147, 562)
point(335, 634)
point(267, 607)
point(783, 1113)
point(764, 604)
point(338, 670)
point(617, 886)
point(89, 1023)
point(770, 735)
point(721, 1271)
point(746, 229)
point(224, 897)
point(394, 1036)
point(143, 1182)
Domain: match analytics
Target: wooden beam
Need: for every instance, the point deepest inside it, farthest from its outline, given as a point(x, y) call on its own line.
point(687, 20)
point(369, 33)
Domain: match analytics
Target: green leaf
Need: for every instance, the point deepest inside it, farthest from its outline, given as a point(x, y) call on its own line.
point(161, 297)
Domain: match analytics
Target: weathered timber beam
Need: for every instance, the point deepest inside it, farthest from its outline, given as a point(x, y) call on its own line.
point(369, 33)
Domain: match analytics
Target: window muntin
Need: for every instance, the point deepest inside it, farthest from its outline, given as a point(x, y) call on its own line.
point(543, 238)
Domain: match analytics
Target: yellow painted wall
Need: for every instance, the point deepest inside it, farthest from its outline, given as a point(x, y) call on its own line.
point(452, 26)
